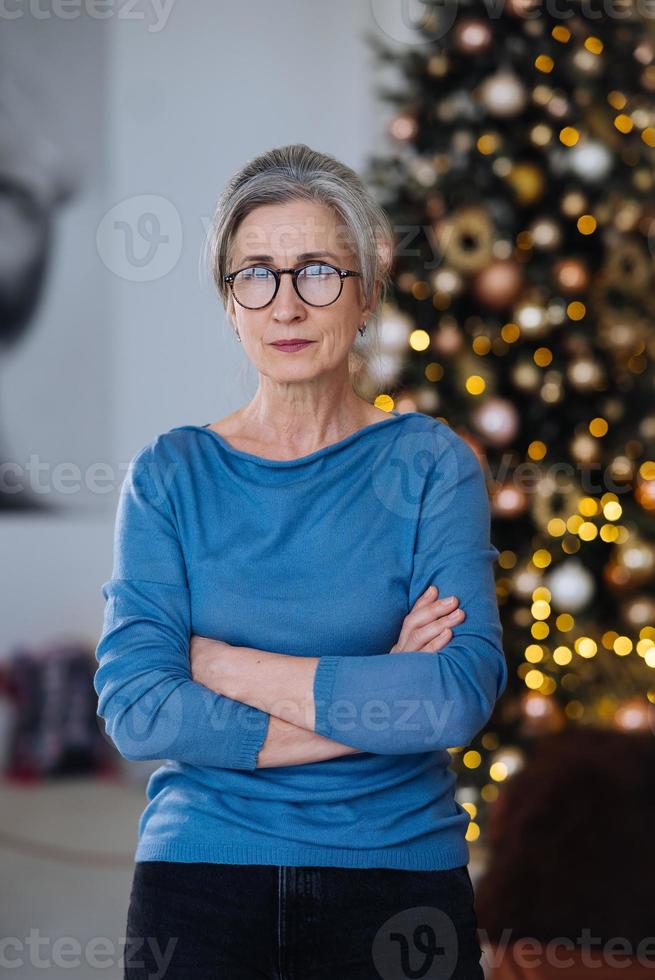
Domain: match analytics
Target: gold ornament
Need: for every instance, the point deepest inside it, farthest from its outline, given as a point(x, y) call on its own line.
point(545, 233)
point(508, 501)
point(639, 611)
point(438, 65)
point(552, 390)
point(573, 204)
point(527, 181)
point(503, 93)
point(629, 269)
point(624, 333)
point(472, 35)
point(571, 586)
point(423, 171)
point(447, 281)
point(632, 563)
point(571, 275)
point(428, 399)
point(586, 374)
point(406, 281)
point(636, 714)
point(584, 448)
point(613, 409)
point(403, 127)
point(554, 496)
point(532, 317)
point(448, 339)
point(520, 8)
point(497, 421)
point(498, 284)
point(621, 469)
point(541, 714)
point(647, 427)
point(526, 376)
point(645, 494)
point(466, 239)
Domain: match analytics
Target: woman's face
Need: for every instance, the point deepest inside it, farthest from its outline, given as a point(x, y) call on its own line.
point(277, 235)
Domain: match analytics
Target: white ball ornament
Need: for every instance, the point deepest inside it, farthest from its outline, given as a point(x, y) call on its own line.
point(503, 94)
point(497, 421)
point(571, 586)
point(590, 160)
point(394, 330)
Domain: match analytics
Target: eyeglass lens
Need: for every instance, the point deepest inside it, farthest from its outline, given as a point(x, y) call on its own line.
point(317, 284)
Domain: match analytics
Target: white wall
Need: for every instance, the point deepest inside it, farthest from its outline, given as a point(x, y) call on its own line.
point(184, 107)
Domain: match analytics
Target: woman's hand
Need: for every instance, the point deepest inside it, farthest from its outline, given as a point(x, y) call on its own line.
point(426, 628)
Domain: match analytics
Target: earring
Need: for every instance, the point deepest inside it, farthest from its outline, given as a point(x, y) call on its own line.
point(236, 330)
point(362, 328)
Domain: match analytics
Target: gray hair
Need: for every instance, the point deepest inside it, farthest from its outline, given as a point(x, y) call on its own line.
point(296, 172)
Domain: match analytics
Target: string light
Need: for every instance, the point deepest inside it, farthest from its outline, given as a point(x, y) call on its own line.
point(419, 340)
point(475, 385)
point(544, 63)
point(594, 45)
point(586, 647)
point(569, 136)
point(586, 224)
point(534, 679)
point(561, 34)
point(623, 123)
point(562, 656)
point(576, 310)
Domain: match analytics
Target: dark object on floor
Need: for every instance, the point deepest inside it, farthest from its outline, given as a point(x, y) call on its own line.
point(55, 730)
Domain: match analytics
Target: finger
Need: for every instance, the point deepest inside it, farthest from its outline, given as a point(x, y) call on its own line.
point(438, 643)
point(425, 634)
point(443, 639)
point(444, 604)
point(453, 619)
point(429, 594)
point(431, 612)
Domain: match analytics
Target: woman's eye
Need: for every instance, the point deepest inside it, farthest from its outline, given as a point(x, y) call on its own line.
point(257, 272)
point(318, 270)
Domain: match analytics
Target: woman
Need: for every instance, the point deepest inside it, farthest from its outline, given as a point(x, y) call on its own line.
point(303, 823)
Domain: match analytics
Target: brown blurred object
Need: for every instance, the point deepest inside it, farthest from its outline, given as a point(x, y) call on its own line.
point(572, 862)
point(571, 966)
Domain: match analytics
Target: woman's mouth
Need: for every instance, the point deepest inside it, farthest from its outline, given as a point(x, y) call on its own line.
point(291, 345)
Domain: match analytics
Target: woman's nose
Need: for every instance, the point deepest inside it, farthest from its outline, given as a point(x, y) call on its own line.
point(287, 300)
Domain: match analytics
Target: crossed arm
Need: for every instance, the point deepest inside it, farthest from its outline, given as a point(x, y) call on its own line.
point(282, 685)
point(244, 707)
point(275, 683)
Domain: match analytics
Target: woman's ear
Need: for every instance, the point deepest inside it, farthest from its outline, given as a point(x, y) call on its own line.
point(366, 312)
point(230, 313)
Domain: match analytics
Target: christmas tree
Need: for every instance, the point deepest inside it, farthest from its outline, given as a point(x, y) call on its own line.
point(520, 183)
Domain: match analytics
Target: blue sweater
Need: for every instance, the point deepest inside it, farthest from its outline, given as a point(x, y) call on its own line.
point(320, 556)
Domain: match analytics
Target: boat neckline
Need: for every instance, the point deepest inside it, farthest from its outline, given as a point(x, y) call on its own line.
point(394, 415)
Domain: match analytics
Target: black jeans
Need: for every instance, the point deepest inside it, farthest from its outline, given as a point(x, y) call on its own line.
point(196, 921)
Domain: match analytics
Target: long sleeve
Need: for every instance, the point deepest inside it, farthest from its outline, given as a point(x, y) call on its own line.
point(418, 702)
point(152, 707)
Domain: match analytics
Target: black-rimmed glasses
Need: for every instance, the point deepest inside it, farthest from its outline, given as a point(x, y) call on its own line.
point(317, 283)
